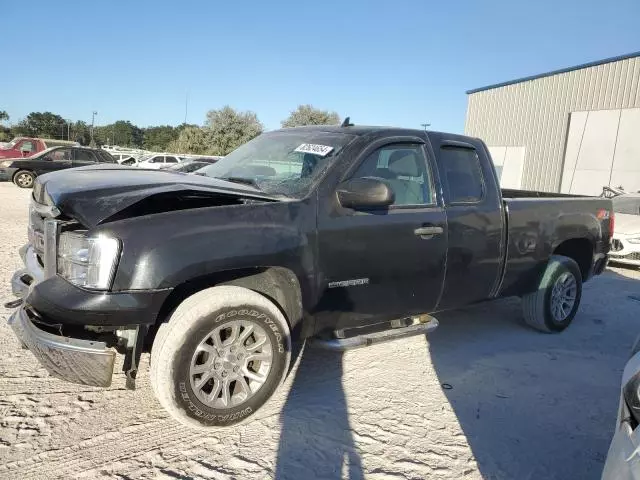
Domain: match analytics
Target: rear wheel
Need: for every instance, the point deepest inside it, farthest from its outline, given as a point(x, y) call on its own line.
point(552, 307)
point(24, 179)
point(220, 357)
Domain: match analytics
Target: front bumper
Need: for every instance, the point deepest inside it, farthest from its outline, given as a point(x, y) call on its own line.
point(71, 359)
point(6, 174)
point(623, 458)
point(623, 251)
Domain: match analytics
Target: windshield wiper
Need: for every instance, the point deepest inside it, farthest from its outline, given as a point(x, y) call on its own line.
point(243, 180)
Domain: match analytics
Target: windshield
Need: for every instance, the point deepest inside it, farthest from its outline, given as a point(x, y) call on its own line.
point(283, 162)
point(10, 145)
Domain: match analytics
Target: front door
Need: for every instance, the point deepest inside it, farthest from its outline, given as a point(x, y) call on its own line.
point(54, 160)
point(82, 158)
point(379, 265)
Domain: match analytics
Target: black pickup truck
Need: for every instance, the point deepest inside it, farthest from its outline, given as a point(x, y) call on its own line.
point(347, 235)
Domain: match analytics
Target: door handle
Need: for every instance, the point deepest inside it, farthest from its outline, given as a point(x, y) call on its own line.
point(428, 232)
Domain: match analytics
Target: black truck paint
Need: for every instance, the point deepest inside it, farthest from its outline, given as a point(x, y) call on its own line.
point(326, 266)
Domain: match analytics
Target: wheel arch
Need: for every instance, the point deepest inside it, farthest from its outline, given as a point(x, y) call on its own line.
point(279, 284)
point(581, 251)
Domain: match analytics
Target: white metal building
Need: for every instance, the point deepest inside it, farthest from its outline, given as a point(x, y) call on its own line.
point(572, 130)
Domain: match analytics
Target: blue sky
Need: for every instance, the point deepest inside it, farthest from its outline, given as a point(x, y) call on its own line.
point(401, 62)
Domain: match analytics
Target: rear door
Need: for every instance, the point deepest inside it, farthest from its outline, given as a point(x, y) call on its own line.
point(475, 219)
point(378, 264)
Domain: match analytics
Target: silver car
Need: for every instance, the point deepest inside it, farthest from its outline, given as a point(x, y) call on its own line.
point(623, 459)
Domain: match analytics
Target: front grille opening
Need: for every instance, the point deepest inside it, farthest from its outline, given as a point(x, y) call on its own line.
point(26, 279)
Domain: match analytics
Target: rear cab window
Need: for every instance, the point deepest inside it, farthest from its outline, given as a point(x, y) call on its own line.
point(463, 174)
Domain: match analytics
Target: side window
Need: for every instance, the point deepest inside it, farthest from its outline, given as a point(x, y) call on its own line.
point(156, 160)
point(170, 160)
point(463, 173)
point(84, 156)
point(404, 168)
point(27, 146)
point(61, 155)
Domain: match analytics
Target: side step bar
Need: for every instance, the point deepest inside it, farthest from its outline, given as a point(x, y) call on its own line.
point(418, 326)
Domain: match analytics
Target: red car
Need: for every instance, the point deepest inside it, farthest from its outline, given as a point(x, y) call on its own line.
point(26, 147)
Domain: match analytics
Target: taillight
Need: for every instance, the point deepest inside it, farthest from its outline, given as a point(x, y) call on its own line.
point(612, 223)
point(604, 214)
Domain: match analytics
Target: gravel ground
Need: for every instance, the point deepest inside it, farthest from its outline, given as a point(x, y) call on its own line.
point(517, 404)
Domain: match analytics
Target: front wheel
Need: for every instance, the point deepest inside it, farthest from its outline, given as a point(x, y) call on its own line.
point(220, 357)
point(553, 305)
point(24, 179)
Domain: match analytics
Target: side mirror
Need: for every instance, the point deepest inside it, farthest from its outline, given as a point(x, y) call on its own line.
point(366, 192)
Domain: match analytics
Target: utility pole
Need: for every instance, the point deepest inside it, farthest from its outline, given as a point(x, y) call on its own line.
point(425, 125)
point(93, 118)
point(68, 129)
point(186, 106)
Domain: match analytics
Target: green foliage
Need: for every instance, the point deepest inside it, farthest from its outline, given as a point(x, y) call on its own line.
point(225, 130)
point(196, 140)
point(41, 124)
point(122, 133)
point(229, 129)
point(307, 115)
point(158, 138)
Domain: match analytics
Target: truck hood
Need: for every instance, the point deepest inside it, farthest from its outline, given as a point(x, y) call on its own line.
point(94, 195)
point(626, 224)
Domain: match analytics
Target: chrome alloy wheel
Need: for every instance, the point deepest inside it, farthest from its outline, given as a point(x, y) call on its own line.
point(563, 296)
point(231, 364)
point(24, 180)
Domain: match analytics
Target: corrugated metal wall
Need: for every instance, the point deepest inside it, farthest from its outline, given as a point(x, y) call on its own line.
point(535, 113)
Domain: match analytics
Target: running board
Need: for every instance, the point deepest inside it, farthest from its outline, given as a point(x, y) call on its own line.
point(420, 325)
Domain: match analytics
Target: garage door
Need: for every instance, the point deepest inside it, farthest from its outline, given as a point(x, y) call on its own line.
point(602, 149)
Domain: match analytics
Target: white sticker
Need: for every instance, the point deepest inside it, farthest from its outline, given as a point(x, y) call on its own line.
point(321, 150)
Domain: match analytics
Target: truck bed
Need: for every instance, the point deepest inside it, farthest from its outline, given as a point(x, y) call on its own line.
point(513, 193)
point(537, 223)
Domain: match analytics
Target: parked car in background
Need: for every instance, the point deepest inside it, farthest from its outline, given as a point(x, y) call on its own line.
point(351, 235)
point(188, 166)
point(21, 147)
point(23, 171)
point(623, 459)
point(625, 244)
point(124, 158)
point(157, 161)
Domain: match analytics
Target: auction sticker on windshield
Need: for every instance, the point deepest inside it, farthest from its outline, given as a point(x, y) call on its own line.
point(322, 150)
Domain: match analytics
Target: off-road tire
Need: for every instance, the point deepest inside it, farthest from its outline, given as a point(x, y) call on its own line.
point(177, 340)
point(537, 306)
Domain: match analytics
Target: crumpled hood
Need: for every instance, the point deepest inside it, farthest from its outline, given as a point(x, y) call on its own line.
point(626, 224)
point(93, 194)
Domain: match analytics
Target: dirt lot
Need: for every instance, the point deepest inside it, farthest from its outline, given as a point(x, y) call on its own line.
point(521, 404)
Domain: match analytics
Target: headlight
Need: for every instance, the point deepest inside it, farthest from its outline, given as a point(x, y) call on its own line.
point(6, 163)
point(631, 393)
point(88, 262)
point(634, 240)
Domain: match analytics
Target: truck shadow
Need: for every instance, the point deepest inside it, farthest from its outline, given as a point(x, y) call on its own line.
point(533, 405)
point(316, 439)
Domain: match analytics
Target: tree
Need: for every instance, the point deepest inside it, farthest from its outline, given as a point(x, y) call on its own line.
point(158, 138)
point(122, 133)
point(307, 115)
point(4, 116)
point(42, 124)
point(229, 129)
point(196, 140)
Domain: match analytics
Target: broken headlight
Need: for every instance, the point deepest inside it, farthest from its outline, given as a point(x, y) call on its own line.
point(88, 262)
